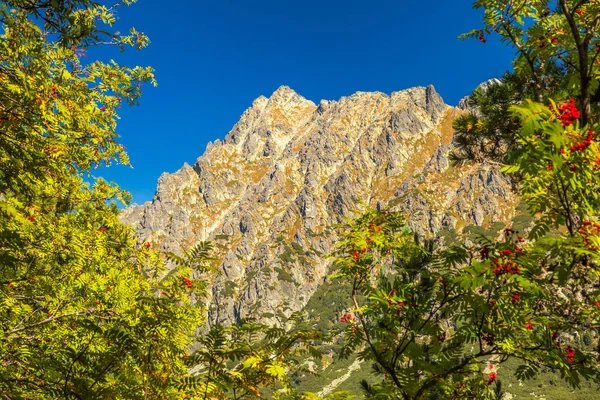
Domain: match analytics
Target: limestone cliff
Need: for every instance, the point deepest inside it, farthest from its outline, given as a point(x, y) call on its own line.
point(269, 193)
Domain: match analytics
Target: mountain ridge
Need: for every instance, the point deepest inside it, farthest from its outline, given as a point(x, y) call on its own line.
point(269, 194)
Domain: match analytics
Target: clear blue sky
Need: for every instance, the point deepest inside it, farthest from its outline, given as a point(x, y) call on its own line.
point(212, 58)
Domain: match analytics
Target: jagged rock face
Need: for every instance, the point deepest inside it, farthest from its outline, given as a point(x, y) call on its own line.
point(269, 194)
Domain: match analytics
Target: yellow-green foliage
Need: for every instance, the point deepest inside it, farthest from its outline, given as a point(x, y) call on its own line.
point(85, 312)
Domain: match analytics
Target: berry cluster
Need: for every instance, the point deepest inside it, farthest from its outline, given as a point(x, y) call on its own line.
point(515, 298)
point(507, 267)
point(509, 232)
point(589, 229)
point(357, 253)
point(585, 143)
point(347, 318)
point(570, 353)
point(460, 387)
point(568, 112)
point(187, 282)
point(399, 307)
point(529, 325)
point(492, 378)
point(374, 228)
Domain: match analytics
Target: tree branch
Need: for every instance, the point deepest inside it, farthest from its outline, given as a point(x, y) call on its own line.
point(90, 311)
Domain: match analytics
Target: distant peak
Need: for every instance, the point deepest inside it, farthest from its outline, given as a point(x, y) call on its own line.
point(464, 104)
point(286, 95)
point(284, 90)
point(485, 86)
point(260, 102)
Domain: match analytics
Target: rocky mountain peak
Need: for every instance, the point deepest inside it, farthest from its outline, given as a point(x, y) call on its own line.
point(463, 104)
point(269, 194)
point(260, 103)
point(285, 94)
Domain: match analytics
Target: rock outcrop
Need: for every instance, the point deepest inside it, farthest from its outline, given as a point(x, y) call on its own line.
point(270, 192)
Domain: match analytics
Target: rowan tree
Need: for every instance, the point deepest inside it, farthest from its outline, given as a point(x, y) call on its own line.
point(438, 324)
point(87, 311)
point(557, 45)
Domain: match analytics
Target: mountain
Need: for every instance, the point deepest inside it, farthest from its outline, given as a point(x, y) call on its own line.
point(269, 194)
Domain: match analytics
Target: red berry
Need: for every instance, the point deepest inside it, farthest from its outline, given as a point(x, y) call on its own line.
point(515, 298)
point(187, 282)
point(570, 353)
point(529, 325)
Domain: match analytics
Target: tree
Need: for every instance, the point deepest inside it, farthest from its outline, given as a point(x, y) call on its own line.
point(85, 311)
point(438, 324)
point(547, 34)
point(487, 131)
point(557, 45)
point(411, 318)
point(247, 358)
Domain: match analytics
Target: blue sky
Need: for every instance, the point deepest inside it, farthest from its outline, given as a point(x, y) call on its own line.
point(212, 58)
